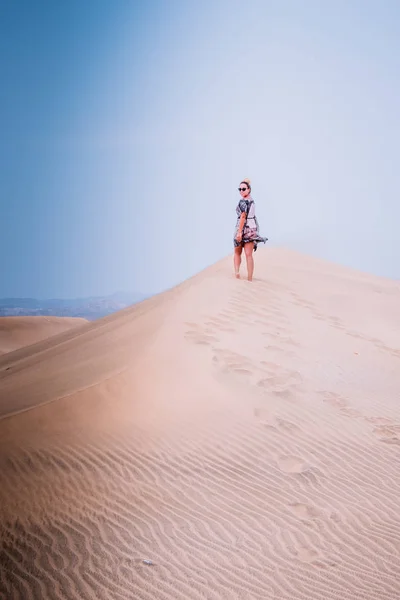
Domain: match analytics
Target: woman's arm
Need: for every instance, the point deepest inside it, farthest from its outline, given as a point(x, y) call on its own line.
point(243, 206)
point(240, 227)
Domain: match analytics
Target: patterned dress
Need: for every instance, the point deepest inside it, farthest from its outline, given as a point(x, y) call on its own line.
point(250, 229)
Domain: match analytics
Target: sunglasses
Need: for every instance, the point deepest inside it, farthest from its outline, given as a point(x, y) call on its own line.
point(242, 189)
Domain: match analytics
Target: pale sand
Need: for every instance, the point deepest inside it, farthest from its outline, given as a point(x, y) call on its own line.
point(243, 437)
point(16, 332)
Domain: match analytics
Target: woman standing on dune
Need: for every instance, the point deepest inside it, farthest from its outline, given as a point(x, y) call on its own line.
point(246, 231)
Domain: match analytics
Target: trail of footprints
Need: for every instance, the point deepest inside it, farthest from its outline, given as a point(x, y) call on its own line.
point(276, 381)
point(338, 324)
point(285, 384)
point(384, 429)
point(270, 323)
point(272, 377)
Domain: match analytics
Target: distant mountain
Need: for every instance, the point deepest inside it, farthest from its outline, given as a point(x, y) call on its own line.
point(91, 308)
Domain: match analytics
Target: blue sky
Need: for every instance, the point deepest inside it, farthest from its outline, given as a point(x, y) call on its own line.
point(119, 119)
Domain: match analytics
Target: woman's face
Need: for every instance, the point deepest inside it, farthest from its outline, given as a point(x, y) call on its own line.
point(244, 190)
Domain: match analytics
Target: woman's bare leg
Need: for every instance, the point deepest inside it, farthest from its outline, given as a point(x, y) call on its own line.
point(248, 250)
point(237, 259)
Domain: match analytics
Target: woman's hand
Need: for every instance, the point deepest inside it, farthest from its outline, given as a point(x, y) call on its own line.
point(239, 236)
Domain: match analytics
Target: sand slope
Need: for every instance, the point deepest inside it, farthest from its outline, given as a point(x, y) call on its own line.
point(16, 332)
point(243, 437)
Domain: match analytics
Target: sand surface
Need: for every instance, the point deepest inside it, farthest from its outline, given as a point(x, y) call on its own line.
point(245, 438)
point(16, 332)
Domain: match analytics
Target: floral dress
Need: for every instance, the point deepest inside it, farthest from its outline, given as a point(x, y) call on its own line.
point(250, 229)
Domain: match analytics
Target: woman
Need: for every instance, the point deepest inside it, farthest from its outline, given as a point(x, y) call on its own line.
point(246, 232)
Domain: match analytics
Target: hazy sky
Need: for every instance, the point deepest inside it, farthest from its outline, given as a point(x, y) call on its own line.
point(120, 119)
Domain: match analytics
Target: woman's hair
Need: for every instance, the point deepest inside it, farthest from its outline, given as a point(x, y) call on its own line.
point(247, 182)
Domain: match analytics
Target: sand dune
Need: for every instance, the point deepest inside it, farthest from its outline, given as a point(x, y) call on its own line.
point(244, 438)
point(16, 332)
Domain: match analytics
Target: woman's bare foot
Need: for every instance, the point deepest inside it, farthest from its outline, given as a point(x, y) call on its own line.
point(237, 275)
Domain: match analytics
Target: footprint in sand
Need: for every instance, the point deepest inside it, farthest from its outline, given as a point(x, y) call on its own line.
point(198, 337)
point(312, 476)
point(279, 380)
point(239, 370)
point(389, 434)
point(340, 403)
point(286, 392)
point(238, 366)
point(219, 325)
point(285, 342)
point(306, 555)
point(333, 399)
point(309, 512)
point(305, 511)
point(355, 334)
point(215, 321)
point(378, 420)
point(262, 414)
point(311, 556)
point(287, 426)
point(230, 356)
point(276, 331)
point(334, 321)
point(192, 326)
point(278, 373)
point(279, 349)
point(282, 337)
point(268, 382)
point(350, 412)
point(292, 464)
point(230, 362)
point(274, 423)
point(274, 312)
point(232, 315)
point(289, 341)
point(270, 367)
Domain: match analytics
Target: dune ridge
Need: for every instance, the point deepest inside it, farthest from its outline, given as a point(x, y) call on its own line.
point(244, 438)
point(17, 332)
